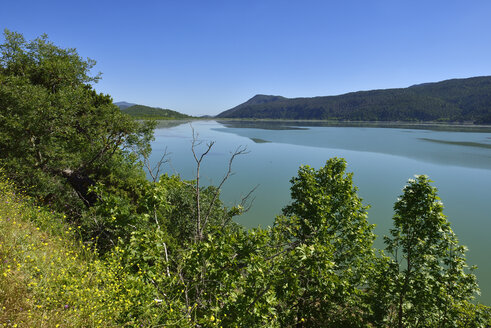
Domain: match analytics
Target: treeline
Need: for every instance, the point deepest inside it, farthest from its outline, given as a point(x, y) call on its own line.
point(146, 112)
point(457, 100)
point(166, 252)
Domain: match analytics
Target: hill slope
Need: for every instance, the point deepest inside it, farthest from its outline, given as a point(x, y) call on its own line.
point(450, 100)
point(140, 111)
point(124, 104)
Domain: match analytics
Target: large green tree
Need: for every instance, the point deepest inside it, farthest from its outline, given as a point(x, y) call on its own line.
point(327, 205)
point(58, 136)
point(428, 277)
point(327, 223)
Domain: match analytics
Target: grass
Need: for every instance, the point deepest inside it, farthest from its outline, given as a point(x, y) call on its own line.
point(49, 279)
point(43, 277)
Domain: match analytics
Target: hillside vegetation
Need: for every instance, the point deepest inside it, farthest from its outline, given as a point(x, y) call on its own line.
point(49, 278)
point(146, 112)
point(86, 240)
point(446, 101)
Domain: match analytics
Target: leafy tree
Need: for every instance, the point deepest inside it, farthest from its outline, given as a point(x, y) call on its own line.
point(327, 223)
point(58, 136)
point(225, 279)
point(309, 270)
point(328, 207)
point(429, 281)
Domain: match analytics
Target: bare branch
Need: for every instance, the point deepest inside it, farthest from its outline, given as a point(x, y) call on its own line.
point(245, 203)
point(155, 171)
point(241, 150)
point(166, 258)
point(199, 159)
point(201, 222)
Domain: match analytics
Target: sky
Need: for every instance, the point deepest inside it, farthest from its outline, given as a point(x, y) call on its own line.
point(206, 56)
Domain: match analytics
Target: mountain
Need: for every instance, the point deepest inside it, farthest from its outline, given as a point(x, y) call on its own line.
point(123, 104)
point(447, 101)
point(146, 112)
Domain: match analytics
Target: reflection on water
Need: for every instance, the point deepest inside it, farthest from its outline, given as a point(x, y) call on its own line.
point(265, 125)
point(459, 143)
point(164, 124)
point(258, 140)
point(469, 149)
point(296, 125)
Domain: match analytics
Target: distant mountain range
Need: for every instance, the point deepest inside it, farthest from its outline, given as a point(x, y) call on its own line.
point(146, 112)
point(453, 100)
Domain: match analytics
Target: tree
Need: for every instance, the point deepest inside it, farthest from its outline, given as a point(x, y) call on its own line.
point(428, 271)
point(327, 205)
point(329, 247)
point(58, 136)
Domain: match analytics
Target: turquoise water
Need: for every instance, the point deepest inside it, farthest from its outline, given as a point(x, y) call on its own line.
point(382, 159)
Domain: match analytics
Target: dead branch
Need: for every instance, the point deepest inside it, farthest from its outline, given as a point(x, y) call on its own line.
point(241, 150)
point(201, 222)
point(155, 171)
point(245, 202)
point(199, 159)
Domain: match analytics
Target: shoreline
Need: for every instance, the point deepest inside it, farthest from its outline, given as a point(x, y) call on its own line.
point(428, 125)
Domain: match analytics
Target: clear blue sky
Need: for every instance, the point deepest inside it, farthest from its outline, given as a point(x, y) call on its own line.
point(206, 56)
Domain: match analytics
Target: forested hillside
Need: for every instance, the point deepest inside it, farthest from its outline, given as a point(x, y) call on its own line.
point(146, 112)
point(447, 101)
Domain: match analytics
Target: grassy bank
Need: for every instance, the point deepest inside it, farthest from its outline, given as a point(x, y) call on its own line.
point(49, 279)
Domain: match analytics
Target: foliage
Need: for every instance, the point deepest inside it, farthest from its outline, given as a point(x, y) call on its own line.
point(224, 280)
point(328, 220)
point(326, 199)
point(274, 277)
point(50, 279)
point(181, 211)
point(429, 278)
point(58, 136)
point(168, 205)
point(451, 100)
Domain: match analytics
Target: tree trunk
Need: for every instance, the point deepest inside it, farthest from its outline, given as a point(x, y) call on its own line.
point(81, 183)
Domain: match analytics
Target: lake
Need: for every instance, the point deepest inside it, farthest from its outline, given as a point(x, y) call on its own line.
point(381, 158)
